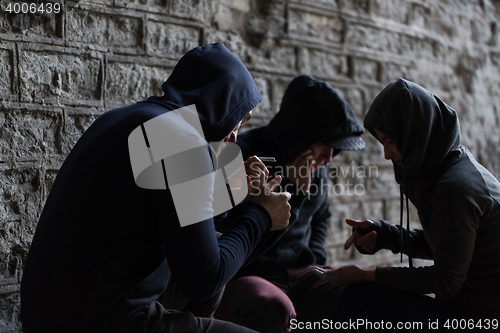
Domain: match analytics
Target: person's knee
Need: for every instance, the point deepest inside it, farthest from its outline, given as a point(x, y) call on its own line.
point(257, 304)
point(278, 307)
point(271, 315)
point(269, 312)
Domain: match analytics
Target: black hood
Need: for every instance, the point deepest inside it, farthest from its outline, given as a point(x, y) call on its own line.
point(421, 125)
point(311, 111)
point(217, 82)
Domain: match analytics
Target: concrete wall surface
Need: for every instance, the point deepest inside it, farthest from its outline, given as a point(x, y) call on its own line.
point(61, 71)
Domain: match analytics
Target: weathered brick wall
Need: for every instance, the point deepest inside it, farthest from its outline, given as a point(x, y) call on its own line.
point(59, 75)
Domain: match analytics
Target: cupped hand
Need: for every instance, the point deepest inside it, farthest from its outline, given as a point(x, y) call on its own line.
point(367, 242)
point(345, 274)
point(258, 173)
point(275, 203)
point(300, 169)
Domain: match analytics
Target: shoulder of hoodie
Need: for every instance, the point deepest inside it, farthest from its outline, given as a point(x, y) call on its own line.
point(136, 113)
point(128, 118)
point(252, 140)
point(462, 177)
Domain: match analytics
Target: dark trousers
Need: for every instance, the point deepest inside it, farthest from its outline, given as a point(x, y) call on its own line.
point(159, 320)
point(175, 313)
point(380, 309)
point(272, 303)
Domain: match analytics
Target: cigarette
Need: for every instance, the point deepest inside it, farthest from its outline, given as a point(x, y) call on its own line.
point(267, 159)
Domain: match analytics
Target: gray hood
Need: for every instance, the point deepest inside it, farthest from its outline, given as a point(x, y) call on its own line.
point(421, 125)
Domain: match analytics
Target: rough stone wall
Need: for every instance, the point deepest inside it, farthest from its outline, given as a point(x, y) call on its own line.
point(58, 75)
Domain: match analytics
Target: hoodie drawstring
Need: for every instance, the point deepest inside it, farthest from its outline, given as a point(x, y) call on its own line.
point(404, 239)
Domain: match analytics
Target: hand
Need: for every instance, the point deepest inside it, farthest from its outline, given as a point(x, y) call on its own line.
point(345, 274)
point(300, 169)
point(258, 174)
point(275, 203)
point(367, 242)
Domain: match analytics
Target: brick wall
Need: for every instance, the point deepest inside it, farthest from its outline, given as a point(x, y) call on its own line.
point(58, 74)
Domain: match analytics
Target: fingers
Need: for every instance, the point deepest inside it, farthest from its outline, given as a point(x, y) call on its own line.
point(282, 215)
point(263, 176)
point(358, 223)
point(275, 182)
point(319, 270)
point(304, 162)
point(301, 159)
point(287, 197)
point(256, 169)
point(287, 194)
point(312, 166)
point(351, 240)
point(300, 169)
point(305, 159)
point(367, 242)
point(256, 162)
point(324, 273)
point(305, 153)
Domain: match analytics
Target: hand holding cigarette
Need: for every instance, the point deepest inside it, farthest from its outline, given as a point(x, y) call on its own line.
point(267, 159)
point(299, 170)
point(258, 173)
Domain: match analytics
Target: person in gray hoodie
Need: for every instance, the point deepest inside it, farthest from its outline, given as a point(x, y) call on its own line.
point(458, 203)
point(275, 291)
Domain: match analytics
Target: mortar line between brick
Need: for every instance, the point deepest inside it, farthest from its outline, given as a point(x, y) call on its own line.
point(18, 70)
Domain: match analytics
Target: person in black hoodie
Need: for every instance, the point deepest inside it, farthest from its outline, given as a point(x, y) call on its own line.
point(458, 203)
point(275, 289)
point(105, 249)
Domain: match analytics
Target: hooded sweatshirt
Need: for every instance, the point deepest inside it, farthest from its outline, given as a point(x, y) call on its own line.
point(458, 203)
point(311, 111)
point(104, 247)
